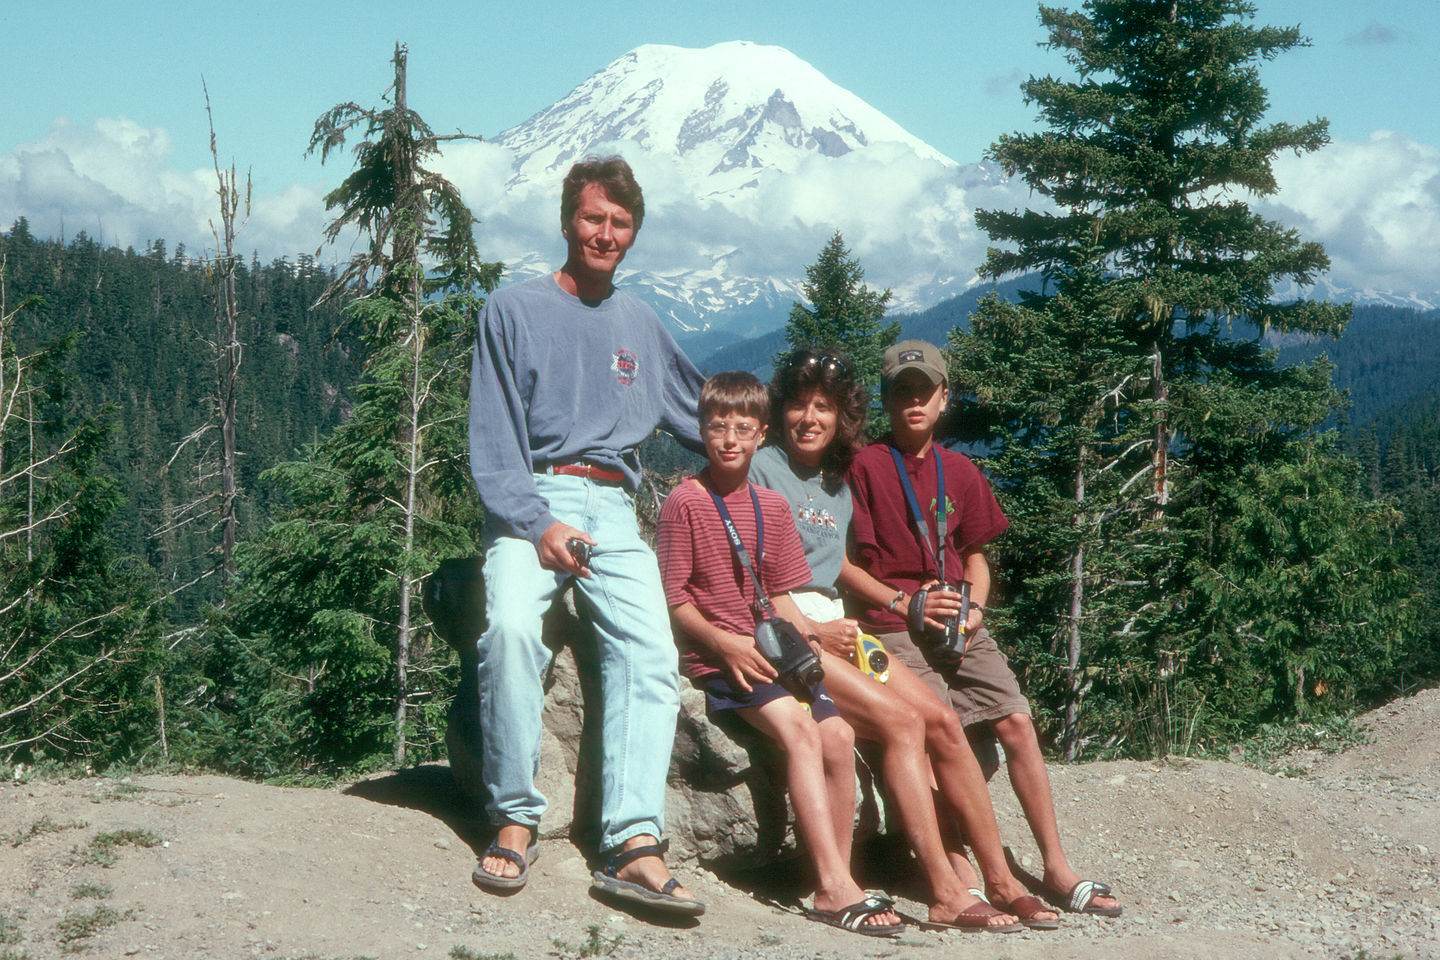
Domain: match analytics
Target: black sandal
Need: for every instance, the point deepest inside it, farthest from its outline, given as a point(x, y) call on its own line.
point(490, 881)
point(608, 882)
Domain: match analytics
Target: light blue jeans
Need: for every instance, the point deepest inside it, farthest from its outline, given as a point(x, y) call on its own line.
point(639, 665)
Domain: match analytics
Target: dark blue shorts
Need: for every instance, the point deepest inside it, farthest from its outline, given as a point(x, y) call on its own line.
point(720, 696)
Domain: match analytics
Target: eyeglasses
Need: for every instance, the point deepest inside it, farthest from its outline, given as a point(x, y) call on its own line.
point(829, 366)
point(718, 429)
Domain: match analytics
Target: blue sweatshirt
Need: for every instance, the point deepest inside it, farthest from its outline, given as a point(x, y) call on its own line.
point(558, 380)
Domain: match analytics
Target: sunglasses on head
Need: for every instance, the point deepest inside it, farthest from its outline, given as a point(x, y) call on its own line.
point(829, 366)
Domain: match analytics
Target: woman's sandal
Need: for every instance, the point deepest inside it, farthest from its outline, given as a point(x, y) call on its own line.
point(1026, 908)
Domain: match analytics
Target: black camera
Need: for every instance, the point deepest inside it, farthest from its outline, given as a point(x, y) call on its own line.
point(788, 652)
point(950, 645)
point(579, 550)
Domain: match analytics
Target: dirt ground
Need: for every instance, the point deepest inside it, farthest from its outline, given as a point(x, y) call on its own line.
point(1334, 857)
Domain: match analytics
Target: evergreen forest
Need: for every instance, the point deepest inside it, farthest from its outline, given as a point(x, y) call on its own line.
point(1225, 509)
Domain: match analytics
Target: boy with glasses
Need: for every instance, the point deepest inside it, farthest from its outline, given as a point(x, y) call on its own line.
point(729, 555)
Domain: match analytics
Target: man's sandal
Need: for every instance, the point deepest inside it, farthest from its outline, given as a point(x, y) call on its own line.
point(492, 881)
point(973, 919)
point(607, 882)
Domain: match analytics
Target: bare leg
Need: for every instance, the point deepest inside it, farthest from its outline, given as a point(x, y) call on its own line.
point(787, 723)
point(1031, 783)
point(837, 747)
point(961, 783)
point(878, 714)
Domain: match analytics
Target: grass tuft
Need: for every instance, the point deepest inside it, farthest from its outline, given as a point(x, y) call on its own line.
point(102, 849)
point(40, 827)
point(460, 952)
point(91, 891)
point(78, 927)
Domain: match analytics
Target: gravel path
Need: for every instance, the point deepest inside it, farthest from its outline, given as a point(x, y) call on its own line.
point(1336, 859)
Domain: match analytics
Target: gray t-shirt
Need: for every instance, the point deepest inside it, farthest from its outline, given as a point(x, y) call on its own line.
point(821, 512)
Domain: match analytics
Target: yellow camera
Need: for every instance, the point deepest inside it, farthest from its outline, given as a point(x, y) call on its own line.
point(871, 658)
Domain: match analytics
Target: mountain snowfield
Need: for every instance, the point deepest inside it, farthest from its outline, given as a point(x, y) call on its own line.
point(750, 159)
point(730, 115)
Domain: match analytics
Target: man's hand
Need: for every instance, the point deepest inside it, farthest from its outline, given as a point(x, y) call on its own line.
point(555, 555)
point(837, 636)
point(744, 663)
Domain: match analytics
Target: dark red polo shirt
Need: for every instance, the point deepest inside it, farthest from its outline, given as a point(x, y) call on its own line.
point(884, 540)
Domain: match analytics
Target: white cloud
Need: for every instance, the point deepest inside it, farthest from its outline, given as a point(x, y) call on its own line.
point(910, 220)
point(1374, 205)
point(114, 181)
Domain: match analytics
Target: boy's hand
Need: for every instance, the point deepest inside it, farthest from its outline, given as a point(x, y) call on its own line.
point(837, 636)
point(941, 603)
point(744, 663)
point(555, 555)
point(972, 623)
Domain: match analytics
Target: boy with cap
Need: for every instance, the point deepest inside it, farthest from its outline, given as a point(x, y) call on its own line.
point(922, 516)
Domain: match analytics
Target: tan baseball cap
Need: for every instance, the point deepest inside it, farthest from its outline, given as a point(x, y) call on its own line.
point(913, 355)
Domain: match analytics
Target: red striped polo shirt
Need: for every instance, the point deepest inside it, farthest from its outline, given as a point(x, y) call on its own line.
point(698, 565)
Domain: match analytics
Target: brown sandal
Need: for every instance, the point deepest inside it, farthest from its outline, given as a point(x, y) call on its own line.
point(1026, 909)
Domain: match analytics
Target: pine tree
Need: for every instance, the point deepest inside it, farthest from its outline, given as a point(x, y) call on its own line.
point(1141, 442)
point(386, 495)
point(843, 314)
point(80, 625)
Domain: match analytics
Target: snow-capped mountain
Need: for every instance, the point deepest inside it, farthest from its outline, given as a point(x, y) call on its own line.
point(728, 114)
point(750, 159)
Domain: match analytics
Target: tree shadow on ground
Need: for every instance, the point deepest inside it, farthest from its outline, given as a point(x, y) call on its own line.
point(429, 788)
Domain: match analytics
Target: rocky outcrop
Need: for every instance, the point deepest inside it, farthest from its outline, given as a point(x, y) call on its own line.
point(725, 804)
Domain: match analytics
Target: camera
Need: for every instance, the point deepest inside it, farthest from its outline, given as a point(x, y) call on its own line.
point(579, 551)
point(788, 652)
point(871, 658)
point(950, 645)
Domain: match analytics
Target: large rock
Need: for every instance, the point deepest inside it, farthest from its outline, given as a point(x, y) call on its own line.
point(725, 802)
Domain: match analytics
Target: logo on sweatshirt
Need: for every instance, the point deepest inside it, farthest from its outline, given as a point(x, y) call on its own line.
point(626, 367)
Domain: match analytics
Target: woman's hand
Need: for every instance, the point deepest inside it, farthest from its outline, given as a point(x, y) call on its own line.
point(837, 636)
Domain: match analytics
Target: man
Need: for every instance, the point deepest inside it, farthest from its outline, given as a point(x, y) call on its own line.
point(569, 376)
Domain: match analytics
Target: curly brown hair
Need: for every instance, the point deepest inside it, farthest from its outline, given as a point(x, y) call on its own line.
point(829, 371)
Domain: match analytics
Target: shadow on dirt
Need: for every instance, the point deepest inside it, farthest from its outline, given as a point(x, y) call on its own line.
point(429, 788)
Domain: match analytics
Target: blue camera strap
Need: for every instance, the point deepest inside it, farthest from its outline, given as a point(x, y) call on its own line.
point(918, 516)
point(762, 601)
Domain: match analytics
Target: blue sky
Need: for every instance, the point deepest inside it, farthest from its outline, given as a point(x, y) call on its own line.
point(950, 78)
point(81, 75)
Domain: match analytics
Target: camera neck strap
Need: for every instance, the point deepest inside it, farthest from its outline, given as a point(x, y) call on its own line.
point(762, 602)
point(937, 548)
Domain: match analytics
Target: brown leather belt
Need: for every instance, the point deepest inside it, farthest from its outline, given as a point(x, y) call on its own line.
point(586, 470)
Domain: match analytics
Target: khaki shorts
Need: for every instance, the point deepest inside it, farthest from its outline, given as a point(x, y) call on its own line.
point(982, 687)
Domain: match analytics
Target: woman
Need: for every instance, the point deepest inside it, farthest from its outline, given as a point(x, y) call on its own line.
point(817, 427)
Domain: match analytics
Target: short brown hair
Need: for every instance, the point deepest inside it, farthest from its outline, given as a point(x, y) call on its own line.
point(734, 391)
point(612, 173)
